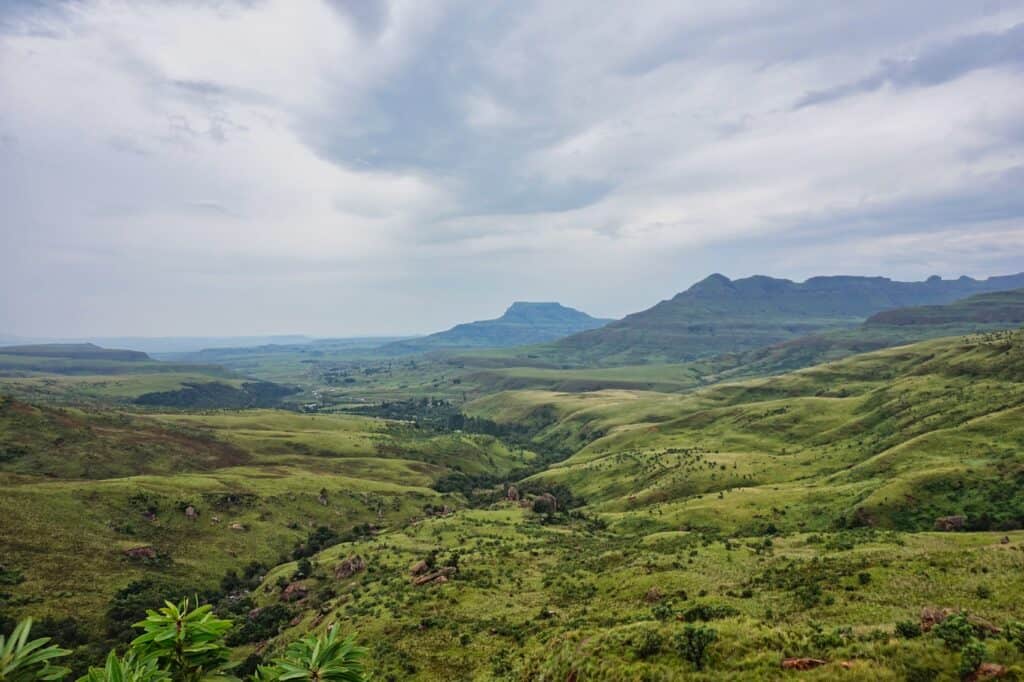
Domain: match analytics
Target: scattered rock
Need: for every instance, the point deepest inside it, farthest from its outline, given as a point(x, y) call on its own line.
point(982, 625)
point(149, 515)
point(419, 568)
point(214, 519)
point(322, 498)
point(294, 592)
point(295, 621)
point(802, 663)
point(236, 526)
point(846, 665)
point(653, 596)
point(254, 613)
point(987, 671)
point(950, 523)
point(1005, 540)
point(441, 575)
point(512, 495)
point(349, 567)
point(144, 552)
point(190, 513)
point(932, 616)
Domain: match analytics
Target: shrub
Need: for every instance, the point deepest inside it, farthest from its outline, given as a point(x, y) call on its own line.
point(971, 655)
point(1014, 632)
point(908, 629)
point(693, 643)
point(326, 658)
point(706, 612)
point(188, 643)
point(127, 669)
point(955, 632)
point(648, 643)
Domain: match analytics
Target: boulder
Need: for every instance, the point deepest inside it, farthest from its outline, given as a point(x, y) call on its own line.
point(512, 495)
point(1005, 540)
point(419, 568)
point(237, 526)
point(802, 663)
point(950, 523)
point(987, 671)
point(294, 592)
point(144, 552)
point(441, 575)
point(932, 616)
point(190, 513)
point(545, 504)
point(349, 567)
point(653, 596)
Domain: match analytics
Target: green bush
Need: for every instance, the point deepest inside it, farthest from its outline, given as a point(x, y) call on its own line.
point(188, 644)
point(324, 659)
point(971, 656)
point(127, 669)
point(908, 629)
point(955, 631)
point(693, 643)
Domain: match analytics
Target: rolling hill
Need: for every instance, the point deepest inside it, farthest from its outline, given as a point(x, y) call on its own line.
point(719, 315)
point(523, 323)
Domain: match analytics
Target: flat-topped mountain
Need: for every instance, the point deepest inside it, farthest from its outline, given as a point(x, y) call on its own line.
point(719, 315)
point(74, 351)
point(522, 323)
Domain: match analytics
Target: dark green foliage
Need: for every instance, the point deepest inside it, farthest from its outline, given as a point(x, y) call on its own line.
point(189, 643)
point(955, 631)
point(908, 629)
point(693, 643)
point(647, 643)
point(971, 655)
point(260, 624)
point(216, 394)
point(706, 612)
point(1014, 633)
point(28, 660)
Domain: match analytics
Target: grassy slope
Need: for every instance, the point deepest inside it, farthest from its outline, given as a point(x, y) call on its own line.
point(794, 457)
point(77, 483)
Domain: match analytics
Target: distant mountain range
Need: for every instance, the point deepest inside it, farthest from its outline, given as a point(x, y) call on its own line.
point(74, 351)
point(719, 315)
point(523, 323)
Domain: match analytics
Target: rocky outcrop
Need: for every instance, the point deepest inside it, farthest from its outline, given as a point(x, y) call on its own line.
point(802, 663)
point(441, 575)
point(349, 567)
point(653, 596)
point(190, 513)
point(950, 523)
point(294, 592)
point(144, 552)
point(419, 568)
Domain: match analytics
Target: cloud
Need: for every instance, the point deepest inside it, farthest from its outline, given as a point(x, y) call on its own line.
point(342, 167)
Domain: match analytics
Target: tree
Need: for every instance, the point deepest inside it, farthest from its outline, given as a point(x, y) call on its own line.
point(319, 659)
point(188, 644)
point(693, 642)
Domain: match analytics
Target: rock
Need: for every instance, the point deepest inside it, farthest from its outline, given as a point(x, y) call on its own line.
point(349, 567)
point(294, 592)
point(653, 596)
point(441, 575)
point(846, 665)
point(802, 663)
point(190, 513)
point(144, 552)
point(237, 526)
point(295, 621)
point(932, 616)
point(512, 495)
point(214, 519)
point(149, 515)
point(985, 626)
point(254, 613)
point(1005, 540)
point(545, 504)
point(419, 568)
point(950, 523)
point(987, 671)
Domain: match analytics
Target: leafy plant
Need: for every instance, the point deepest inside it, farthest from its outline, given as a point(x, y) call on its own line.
point(971, 656)
point(955, 631)
point(127, 669)
point(693, 643)
point(1014, 632)
point(190, 644)
point(325, 658)
point(22, 660)
point(908, 629)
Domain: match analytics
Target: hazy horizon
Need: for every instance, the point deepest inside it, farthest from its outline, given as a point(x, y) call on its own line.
point(352, 169)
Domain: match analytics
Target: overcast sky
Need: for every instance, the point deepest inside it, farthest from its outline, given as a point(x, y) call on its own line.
point(349, 167)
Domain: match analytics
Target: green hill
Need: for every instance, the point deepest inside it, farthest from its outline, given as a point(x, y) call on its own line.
point(719, 315)
point(522, 323)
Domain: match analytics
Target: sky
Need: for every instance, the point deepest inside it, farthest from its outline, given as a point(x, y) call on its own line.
point(352, 167)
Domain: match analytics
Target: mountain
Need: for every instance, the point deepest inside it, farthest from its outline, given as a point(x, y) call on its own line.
point(522, 324)
point(719, 315)
point(75, 351)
